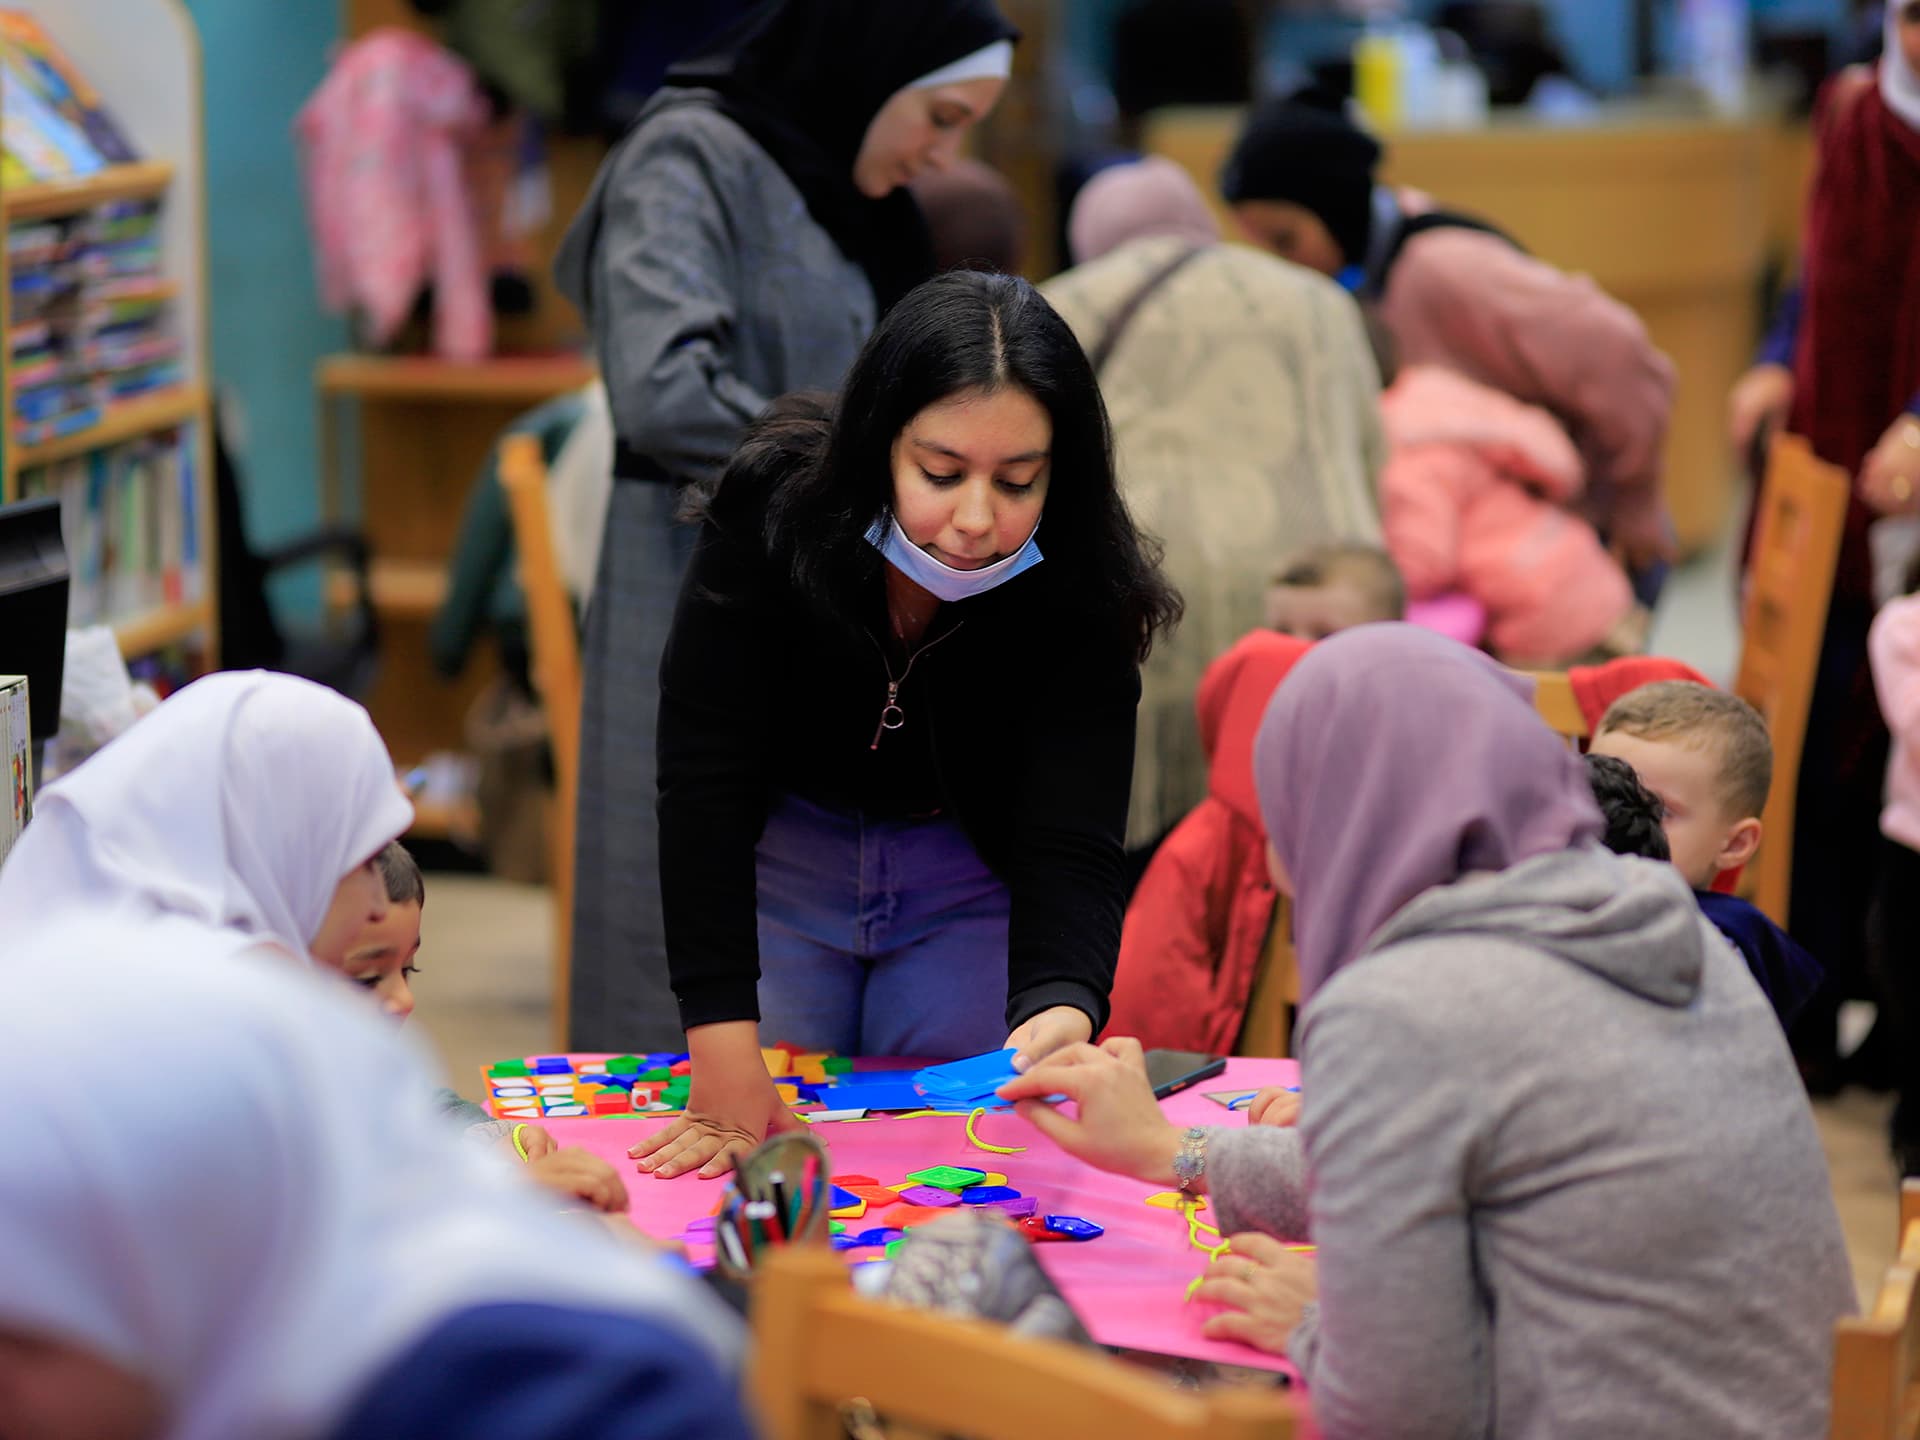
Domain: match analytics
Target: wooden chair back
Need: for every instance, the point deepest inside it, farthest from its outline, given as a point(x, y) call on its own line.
point(555, 644)
point(1267, 1029)
point(819, 1347)
point(1796, 545)
point(1876, 1356)
point(1553, 697)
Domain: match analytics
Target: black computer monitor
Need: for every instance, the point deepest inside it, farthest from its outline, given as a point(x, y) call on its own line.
point(33, 606)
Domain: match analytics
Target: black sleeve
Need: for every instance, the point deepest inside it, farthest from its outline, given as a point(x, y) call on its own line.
point(1065, 869)
point(712, 746)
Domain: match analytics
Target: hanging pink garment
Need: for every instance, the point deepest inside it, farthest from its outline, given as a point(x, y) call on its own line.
point(384, 141)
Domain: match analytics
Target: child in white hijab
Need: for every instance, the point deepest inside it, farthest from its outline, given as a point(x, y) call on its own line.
point(253, 808)
point(290, 1244)
point(251, 802)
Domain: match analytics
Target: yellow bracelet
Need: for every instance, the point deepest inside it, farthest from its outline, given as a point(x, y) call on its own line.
point(520, 1144)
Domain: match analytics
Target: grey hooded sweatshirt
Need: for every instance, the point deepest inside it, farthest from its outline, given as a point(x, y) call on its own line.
point(1563, 1176)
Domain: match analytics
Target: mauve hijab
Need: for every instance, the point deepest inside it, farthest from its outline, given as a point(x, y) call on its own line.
point(1136, 201)
point(1392, 760)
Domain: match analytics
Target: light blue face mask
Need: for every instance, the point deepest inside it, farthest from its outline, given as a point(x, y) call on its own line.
point(943, 580)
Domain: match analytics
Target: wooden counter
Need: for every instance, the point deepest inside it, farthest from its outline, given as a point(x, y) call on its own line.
point(1679, 219)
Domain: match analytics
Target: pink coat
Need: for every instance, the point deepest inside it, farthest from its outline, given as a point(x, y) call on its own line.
point(1471, 501)
point(1472, 302)
point(385, 141)
point(1894, 646)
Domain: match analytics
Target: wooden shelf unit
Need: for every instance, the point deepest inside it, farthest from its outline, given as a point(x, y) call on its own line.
point(126, 420)
point(143, 57)
point(51, 199)
point(157, 629)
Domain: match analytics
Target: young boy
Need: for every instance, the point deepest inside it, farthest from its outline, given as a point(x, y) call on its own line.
point(381, 961)
point(1332, 588)
point(1707, 758)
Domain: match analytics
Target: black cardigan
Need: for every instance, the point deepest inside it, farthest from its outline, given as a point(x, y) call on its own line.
point(1032, 731)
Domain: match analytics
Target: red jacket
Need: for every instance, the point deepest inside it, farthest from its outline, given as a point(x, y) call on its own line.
point(1191, 945)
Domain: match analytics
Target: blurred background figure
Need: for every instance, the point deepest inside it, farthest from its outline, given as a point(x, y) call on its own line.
point(1245, 411)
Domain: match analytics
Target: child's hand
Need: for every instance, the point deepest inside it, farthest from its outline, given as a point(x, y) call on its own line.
point(1262, 1288)
point(536, 1140)
point(579, 1174)
point(1275, 1105)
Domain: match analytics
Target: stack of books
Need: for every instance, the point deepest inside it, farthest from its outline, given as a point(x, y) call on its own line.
point(89, 318)
point(52, 123)
point(129, 518)
point(16, 760)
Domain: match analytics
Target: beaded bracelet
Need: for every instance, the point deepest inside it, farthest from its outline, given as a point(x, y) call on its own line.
point(1191, 1161)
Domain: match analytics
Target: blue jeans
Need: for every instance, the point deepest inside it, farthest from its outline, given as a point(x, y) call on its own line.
point(879, 937)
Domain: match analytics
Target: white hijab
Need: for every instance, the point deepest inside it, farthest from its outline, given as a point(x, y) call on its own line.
point(1899, 85)
point(273, 1214)
point(240, 802)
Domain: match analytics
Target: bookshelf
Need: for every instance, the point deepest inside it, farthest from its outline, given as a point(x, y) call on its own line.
point(143, 58)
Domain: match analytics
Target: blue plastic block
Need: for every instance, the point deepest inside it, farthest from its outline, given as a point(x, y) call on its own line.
point(1074, 1228)
point(552, 1065)
point(987, 1194)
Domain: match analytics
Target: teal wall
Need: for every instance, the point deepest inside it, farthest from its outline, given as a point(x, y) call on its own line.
point(262, 59)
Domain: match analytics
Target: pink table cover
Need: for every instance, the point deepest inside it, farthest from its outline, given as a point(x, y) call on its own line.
point(1127, 1286)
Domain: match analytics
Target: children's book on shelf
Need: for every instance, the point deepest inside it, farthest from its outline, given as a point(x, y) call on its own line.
point(129, 520)
point(53, 125)
point(90, 322)
point(16, 760)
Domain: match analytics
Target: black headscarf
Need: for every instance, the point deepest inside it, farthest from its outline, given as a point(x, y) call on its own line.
point(804, 78)
point(1304, 150)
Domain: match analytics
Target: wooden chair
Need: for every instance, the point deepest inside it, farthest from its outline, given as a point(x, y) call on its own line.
point(1267, 1029)
point(1876, 1356)
point(555, 644)
point(820, 1349)
point(1803, 508)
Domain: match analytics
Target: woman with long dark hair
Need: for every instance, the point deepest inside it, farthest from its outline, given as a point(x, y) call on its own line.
point(738, 244)
point(897, 713)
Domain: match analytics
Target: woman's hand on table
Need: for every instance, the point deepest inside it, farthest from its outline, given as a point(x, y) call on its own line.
point(580, 1175)
point(1275, 1105)
point(1119, 1128)
point(1047, 1033)
point(1890, 478)
point(1759, 400)
point(732, 1106)
point(1262, 1288)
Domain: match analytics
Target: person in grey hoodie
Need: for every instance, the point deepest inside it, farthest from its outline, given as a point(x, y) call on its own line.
point(738, 244)
point(1553, 1151)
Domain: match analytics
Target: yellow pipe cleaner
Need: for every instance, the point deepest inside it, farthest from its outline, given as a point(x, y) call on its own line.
point(980, 1144)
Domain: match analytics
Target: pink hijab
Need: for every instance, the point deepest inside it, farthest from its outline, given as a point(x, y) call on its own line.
point(1143, 198)
point(1393, 760)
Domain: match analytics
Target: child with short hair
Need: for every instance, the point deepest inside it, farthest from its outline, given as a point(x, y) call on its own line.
point(1329, 588)
point(380, 961)
point(1705, 755)
point(1893, 919)
point(1633, 813)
